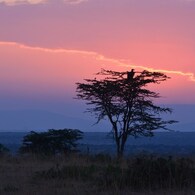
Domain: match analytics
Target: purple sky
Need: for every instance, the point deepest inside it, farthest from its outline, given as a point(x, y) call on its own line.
point(46, 46)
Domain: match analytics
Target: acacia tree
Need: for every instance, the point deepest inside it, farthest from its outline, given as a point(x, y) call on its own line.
point(51, 142)
point(124, 99)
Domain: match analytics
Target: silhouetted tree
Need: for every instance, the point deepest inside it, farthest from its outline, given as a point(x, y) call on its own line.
point(123, 98)
point(51, 142)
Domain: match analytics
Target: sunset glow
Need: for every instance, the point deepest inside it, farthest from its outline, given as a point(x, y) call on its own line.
point(47, 46)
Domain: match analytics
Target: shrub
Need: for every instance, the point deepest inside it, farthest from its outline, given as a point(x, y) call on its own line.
point(51, 142)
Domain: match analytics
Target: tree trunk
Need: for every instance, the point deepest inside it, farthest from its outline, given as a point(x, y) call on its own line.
point(118, 147)
point(121, 146)
point(120, 154)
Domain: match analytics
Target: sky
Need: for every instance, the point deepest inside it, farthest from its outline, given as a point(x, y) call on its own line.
point(46, 46)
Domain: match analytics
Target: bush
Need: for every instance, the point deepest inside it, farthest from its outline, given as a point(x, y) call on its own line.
point(51, 142)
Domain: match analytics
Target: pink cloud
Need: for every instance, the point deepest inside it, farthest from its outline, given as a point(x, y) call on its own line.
point(122, 34)
point(75, 1)
point(18, 2)
point(100, 58)
point(35, 2)
point(35, 71)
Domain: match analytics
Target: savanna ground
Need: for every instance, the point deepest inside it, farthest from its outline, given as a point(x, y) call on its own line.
point(78, 174)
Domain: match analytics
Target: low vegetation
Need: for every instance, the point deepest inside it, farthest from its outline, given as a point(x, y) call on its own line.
point(3, 150)
point(48, 164)
point(97, 174)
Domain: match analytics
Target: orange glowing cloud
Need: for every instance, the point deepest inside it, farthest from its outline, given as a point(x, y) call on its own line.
point(101, 58)
point(35, 71)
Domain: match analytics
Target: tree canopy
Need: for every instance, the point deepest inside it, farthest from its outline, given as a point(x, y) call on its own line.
point(123, 97)
point(51, 142)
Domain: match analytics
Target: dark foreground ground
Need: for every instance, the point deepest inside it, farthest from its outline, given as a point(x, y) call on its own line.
point(98, 175)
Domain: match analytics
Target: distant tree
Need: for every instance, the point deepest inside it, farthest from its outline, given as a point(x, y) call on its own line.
point(123, 98)
point(51, 142)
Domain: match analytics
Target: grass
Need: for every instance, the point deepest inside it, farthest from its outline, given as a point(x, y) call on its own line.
point(99, 174)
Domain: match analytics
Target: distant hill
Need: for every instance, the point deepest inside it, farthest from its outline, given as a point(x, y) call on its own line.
point(185, 115)
point(27, 120)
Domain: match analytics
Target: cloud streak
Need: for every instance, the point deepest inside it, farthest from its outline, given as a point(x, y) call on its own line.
point(35, 2)
point(74, 1)
point(101, 58)
point(18, 2)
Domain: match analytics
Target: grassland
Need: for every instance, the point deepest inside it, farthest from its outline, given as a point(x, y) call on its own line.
point(96, 175)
